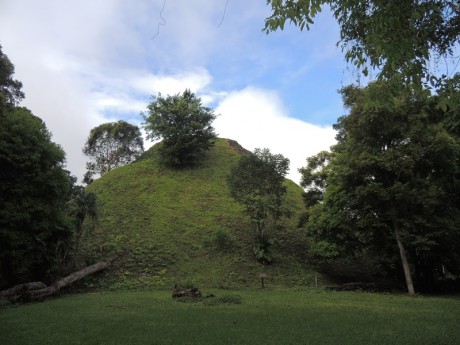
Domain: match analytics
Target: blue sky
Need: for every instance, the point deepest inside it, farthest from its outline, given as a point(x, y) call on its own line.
point(86, 62)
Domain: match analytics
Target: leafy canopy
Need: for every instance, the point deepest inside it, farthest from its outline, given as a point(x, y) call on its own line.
point(82, 208)
point(257, 182)
point(183, 124)
point(395, 36)
point(34, 189)
point(9, 87)
point(314, 177)
point(393, 173)
point(38, 223)
point(112, 145)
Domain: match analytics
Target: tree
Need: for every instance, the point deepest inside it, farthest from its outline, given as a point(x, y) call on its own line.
point(398, 37)
point(257, 182)
point(34, 189)
point(184, 124)
point(10, 89)
point(82, 206)
point(314, 177)
point(112, 145)
point(392, 182)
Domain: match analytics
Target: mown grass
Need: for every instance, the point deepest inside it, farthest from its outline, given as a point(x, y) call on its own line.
point(264, 317)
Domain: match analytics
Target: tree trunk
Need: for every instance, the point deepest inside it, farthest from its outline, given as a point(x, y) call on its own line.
point(57, 285)
point(14, 292)
point(404, 261)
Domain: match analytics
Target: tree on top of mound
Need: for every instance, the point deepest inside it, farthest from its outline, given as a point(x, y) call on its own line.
point(183, 124)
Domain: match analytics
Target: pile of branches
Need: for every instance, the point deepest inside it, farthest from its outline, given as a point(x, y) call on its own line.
point(191, 293)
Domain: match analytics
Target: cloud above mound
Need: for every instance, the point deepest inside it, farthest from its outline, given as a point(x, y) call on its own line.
point(78, 76)
point(256, 118)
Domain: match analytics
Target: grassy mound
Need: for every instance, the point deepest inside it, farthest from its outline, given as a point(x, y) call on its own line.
point(155, 222)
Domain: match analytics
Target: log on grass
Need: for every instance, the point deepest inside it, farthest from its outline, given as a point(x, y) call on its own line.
point(59, 284)
point(14, 292)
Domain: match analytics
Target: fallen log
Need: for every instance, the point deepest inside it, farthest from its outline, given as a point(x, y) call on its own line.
point(31, 295)
point(14, 292)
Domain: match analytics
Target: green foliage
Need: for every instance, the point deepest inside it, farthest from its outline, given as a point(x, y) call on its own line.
point(309, 316)
point(221, 242)
point(224, 299)
point(323, 249)
point(112, 145)
point(449, 103)
point(37, 221)
point(257, 182)
point(394, 172)
point(10, 89)
point(397, 37)
point(183, 124)
point(314, 177)
point(81, 207)
point(34, 189)
point(188, 284)
point(262, 249)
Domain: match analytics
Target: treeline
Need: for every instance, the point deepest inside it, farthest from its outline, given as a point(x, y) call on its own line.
point(41, 207)
point(386, 198)
point(382, 204)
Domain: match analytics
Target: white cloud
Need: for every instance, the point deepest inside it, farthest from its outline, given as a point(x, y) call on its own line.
point(88, 62)
point(256, 118)
point(117, 104)
point(173, 84)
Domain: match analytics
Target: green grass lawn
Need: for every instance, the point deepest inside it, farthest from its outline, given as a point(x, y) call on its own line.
point(264, 317)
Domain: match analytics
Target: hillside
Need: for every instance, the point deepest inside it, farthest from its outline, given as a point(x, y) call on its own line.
point(155, 222)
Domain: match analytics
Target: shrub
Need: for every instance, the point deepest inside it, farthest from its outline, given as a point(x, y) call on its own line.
point(225, 299)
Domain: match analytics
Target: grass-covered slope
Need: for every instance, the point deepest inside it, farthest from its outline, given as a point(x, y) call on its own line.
point(155, 222)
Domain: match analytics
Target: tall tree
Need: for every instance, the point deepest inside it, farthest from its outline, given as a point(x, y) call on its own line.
point(10, 89)
point(393, 178)
point(112, 145)
point(34, 189)
point(183, 124)
point(257, 182)
point(397, 37)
